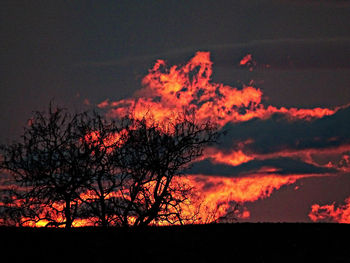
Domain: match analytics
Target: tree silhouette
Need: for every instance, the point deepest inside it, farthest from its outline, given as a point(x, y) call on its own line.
point(102, 138)
point(110, 172)
point(49, 166)
point(151, 157)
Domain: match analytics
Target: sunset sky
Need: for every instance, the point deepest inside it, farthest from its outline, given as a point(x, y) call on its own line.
point(274, 74)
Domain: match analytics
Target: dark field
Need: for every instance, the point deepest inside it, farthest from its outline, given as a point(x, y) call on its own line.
point(261, 242)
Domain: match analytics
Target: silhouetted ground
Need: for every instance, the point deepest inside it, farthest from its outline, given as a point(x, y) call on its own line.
point(243, 242)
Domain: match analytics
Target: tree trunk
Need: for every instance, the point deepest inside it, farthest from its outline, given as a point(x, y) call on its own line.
point(103, 211)
point(68, 214)
point(102, 201)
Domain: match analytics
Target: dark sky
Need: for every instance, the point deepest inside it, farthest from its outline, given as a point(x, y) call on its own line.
point(99, 50)
point(76, 50)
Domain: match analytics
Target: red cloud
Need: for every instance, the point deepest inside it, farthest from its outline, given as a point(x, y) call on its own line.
point(171, 89)
point(332, 212)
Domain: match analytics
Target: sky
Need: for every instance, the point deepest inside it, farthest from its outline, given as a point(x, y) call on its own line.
point(286, 153)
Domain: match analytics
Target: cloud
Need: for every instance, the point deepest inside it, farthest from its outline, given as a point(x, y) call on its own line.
point(265, 147)
point(290, 146)
point(280, 166)
point(334, 213)
point(256, 133)
point(219, 196)
point(278, 133)
point(171, 89)
point(220, 190)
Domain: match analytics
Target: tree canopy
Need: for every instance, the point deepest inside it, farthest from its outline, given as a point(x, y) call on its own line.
point(83, 168)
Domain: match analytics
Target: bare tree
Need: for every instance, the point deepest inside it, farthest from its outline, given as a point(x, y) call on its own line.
point(49, 166)
point(102, 138)
point(84, 166)
point(151, 156)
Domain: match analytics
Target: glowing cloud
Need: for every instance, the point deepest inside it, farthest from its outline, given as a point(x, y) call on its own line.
point(246, 59)
point(219, 195)
point(244, 189)
point(171, 89)
point(332, 212)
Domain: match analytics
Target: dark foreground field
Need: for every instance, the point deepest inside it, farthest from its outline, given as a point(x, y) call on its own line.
point(198, 243)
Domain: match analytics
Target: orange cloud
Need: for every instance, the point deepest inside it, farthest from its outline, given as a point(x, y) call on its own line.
point(218, 196)
point(242, 189)
point(167, 90)
point(103, 104)
point(245, 60)
point(233, 158)
point(332, 212)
